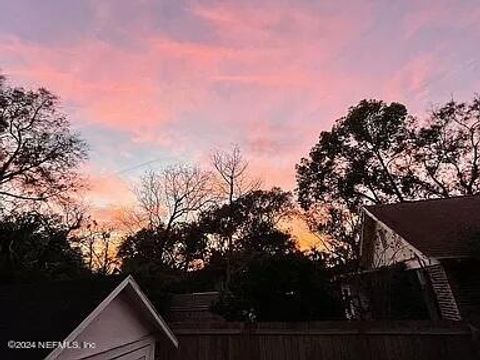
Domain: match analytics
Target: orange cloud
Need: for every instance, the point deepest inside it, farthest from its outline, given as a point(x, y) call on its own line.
point(298, 228)
point(108, 189)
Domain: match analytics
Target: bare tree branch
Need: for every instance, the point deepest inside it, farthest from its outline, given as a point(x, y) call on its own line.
point(174, 193)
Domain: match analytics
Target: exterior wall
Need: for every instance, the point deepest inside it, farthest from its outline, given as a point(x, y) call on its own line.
point(355, 300)
point(139, 350)
point(445, 298)
point(464, 279)
point(117, 325)
point(389, 293)
point(386, 247)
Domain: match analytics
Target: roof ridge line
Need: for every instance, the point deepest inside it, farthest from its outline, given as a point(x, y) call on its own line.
point(425, 200)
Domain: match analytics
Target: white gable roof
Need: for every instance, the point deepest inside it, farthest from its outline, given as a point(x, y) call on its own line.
point(140, 299)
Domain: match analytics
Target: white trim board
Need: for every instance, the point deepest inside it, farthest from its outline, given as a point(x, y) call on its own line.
point(129, 281)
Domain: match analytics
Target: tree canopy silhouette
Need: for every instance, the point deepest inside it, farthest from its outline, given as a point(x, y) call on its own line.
point(378, 153)
point(251, 222)
point(39, 152)
point(289, 287)
point(35, 246)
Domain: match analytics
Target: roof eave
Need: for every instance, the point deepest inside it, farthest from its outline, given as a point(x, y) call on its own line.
point(129, 281)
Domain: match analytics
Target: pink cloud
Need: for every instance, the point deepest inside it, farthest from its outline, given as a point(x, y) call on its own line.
point(416, 79)
point(107, 189)
point(144, 90)
point(111, 86)
point(269, 76)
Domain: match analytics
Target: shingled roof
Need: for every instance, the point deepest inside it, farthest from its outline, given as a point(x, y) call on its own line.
point(193, 307)
point(439, 228)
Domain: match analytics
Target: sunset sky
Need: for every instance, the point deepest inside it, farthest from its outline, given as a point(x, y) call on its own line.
point(157, 82)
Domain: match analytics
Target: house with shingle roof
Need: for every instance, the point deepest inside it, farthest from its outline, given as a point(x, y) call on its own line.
point(418, 260)
point(438, 241)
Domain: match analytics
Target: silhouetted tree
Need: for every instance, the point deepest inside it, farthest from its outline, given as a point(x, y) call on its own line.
point(173, 194)
point(233, 181)
point(233, 178)
point(288, 287)
point(98, 244)
point(252, 222)
point(153, 251)
point(149, 251)
point(39, 152)
point(170, 240)
point(35, 246)
point(191, 248)
point(252, 218)
point(446, 150)
point(377, 153)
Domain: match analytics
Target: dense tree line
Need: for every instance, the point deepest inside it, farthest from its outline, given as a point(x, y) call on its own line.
point(217, 228)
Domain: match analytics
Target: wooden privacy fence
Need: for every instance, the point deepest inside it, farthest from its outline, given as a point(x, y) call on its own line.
point(397, 340)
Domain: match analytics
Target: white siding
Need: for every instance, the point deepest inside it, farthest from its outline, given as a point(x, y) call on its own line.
point(390, 248)
point(117, 325)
